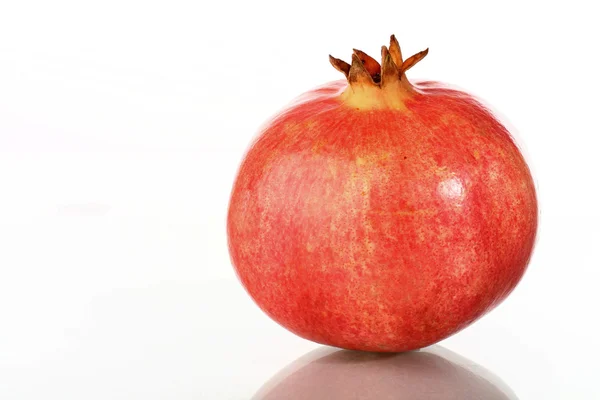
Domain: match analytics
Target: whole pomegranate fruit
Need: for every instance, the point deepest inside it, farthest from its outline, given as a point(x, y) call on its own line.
point(379, 214)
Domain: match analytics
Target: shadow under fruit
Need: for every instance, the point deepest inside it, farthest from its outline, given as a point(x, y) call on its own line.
point(434, 373)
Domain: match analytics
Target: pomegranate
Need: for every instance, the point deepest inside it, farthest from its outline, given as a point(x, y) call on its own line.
point(379, 214)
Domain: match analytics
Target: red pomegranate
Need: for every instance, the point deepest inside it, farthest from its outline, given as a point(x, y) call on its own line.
point(382, 215)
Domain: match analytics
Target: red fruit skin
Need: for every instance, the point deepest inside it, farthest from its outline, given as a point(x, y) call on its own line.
point(382, 229)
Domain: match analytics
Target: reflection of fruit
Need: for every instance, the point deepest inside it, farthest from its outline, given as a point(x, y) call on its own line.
point(381, 215)
point(432, 374)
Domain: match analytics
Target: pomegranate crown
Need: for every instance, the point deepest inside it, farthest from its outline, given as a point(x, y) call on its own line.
point(366, 70)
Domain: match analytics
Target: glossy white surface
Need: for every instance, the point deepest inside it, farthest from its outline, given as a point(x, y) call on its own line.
point(119, 142)
point(134, 298)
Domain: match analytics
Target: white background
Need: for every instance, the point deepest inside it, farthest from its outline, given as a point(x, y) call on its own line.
point(122, 124)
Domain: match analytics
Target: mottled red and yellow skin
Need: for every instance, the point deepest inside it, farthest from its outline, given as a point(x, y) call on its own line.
point(381, 228)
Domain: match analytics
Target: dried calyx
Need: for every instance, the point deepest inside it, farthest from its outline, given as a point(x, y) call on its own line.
point(365, 70)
